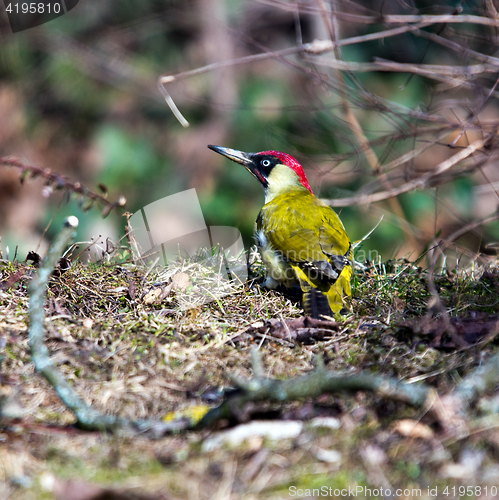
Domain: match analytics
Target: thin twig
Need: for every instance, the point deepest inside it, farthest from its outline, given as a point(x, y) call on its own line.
point(171, 104)
point(421, 182)
point(60, 182)
point(392, 19)
point(471, 226)
point(413, 153)
point(422, 69)
point(464, 51)
point(316, 47)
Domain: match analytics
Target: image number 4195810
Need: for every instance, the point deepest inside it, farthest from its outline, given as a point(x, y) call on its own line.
point(26, 14)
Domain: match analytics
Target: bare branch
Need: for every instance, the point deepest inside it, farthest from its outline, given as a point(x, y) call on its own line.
point(430, 19)
point(465, 51)
point(314, 48)
point(391, 19)
point(429, 70)
point(471, 226)
point(413, 153)
point(420, 182)
point(312, 385)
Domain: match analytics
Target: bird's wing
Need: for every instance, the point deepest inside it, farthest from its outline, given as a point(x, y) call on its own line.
point(311, 237)
point(305, 231)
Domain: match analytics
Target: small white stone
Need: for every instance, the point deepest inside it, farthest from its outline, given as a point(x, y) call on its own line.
point(274, 430)
point(329, 422)
point(329, 456)
point(47, 481)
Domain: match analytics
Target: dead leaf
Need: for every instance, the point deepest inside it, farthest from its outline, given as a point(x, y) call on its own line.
point(56, 309)
point(192, 312)
point(181, 281)
point(468, 330)
point(132, 290)
point(9, 407)
point(33, 256)
point(398, 303)
point(12, 279)
point(152, 296)
point(157, 295)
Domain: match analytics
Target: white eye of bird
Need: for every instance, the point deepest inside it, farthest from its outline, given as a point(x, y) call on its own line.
point(266, 163)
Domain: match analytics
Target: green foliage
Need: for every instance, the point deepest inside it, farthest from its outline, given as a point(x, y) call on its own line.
point(127, 160)
point(69, 86)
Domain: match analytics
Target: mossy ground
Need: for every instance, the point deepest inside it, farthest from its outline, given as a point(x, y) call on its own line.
point(137, 359)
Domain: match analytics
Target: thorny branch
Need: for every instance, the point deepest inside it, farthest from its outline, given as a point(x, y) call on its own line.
point(58, 181)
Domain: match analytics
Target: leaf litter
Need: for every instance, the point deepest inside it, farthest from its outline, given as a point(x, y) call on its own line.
point(140, 358)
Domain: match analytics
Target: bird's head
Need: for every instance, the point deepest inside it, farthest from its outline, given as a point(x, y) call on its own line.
point(277, 172)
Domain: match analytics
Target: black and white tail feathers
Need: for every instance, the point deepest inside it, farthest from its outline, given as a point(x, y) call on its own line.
point(315, 303)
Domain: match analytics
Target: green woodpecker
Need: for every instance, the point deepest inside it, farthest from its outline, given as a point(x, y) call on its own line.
point(301, 239)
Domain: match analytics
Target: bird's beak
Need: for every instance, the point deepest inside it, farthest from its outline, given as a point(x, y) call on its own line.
point(241, 157)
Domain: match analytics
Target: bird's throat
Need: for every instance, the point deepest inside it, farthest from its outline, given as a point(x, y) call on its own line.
point(282, 180)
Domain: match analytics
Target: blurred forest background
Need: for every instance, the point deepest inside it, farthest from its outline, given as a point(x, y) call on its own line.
point(398, 96)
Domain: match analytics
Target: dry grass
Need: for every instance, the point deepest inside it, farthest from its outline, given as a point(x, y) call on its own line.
point(143, 360)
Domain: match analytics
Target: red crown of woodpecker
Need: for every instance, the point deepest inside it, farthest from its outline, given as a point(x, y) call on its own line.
point(289, 161)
